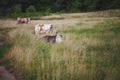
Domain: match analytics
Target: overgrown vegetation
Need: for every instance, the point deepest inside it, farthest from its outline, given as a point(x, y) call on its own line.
point(6, 29)
point(5, 49)
point(3, 40)
point(90, 51)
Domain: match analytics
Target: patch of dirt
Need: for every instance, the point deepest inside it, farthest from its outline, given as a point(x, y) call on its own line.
point(5, 75)
point(3, 37)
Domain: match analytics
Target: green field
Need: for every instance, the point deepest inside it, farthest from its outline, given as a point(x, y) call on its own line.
point(90, 49)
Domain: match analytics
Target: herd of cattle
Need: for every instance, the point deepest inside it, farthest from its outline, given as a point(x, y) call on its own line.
point(43, 28)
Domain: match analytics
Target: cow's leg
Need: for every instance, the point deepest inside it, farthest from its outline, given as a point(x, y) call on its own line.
point(47, 32)
point(37, 33)
point(51, 29)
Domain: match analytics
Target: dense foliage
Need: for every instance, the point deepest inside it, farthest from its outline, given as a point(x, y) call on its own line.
point(14, 6)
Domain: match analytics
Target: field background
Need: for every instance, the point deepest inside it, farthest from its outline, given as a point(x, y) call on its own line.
point(90, 49)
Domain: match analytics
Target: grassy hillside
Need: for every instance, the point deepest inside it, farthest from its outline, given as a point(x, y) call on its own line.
point(90, 50)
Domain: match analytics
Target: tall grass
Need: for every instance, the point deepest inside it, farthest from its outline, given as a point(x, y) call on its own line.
point(32, 15)
point(87, 53)
point(3, 40)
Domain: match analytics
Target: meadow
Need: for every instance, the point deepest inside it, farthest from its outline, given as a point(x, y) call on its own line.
point(90, 49)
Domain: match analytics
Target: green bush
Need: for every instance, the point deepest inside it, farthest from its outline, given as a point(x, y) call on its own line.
point(31, 8)
point(18, 9)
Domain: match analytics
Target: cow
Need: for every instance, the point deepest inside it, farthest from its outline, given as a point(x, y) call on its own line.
point(23, 20)
point(43, 28)
point(53, 39)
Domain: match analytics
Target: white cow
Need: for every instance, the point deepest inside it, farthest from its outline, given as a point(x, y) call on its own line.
point(43, 28)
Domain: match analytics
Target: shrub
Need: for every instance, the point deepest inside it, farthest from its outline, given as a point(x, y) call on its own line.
point(31, 8)
point(18, 9)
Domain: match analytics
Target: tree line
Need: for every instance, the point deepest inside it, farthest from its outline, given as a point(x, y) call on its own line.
point(52, 6)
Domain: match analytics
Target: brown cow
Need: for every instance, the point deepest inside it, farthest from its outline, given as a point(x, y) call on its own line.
point(23, 20)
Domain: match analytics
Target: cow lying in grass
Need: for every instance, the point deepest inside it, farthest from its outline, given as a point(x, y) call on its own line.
point(23, 20)
point(43, 28)
point(53, 39)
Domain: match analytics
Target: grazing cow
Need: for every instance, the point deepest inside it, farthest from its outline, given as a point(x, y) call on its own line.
point(23, 20)
point(43, 28)
point(53, 39)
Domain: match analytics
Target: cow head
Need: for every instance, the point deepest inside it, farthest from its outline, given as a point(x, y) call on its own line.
point(58, 38)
